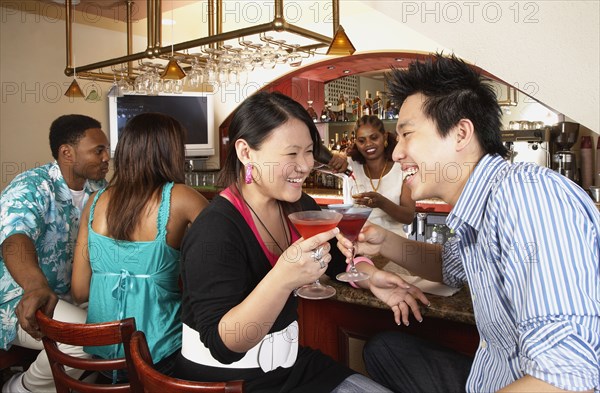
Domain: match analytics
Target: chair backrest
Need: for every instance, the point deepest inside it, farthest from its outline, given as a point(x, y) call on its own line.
point(154, 381)
point(93, 334)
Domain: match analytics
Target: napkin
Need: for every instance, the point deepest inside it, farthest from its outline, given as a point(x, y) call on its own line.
point(432, 287)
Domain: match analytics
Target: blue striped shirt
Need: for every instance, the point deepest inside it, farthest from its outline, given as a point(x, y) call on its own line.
point(528, 245)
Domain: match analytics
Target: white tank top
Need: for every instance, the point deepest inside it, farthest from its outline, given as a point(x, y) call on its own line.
point(390, 186)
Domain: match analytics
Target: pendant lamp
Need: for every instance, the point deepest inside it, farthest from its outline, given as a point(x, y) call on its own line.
point(173, 70)
point(340, 44)
point(74, 91)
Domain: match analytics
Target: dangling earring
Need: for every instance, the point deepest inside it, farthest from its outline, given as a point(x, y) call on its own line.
point(385, 144)
point(248, 177)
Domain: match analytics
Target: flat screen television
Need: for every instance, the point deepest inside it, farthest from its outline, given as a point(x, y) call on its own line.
point(195, 111)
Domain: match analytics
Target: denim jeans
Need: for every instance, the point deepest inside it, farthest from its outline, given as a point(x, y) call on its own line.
point(408, 364)
point(357, 383)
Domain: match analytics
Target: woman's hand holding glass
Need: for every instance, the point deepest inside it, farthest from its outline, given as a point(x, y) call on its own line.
point(370, 199)
point(299, 265)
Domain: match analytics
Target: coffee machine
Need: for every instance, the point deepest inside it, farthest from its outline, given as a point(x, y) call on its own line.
point(528, 145)
point(564, 136)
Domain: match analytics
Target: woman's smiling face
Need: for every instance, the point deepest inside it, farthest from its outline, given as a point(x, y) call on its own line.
point(284, 160)
point(370, 142)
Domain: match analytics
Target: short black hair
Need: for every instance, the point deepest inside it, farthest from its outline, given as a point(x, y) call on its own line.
point(453, 91)
point(69, 129)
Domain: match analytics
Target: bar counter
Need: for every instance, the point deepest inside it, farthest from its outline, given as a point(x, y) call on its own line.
point(457, 308)
point(341, 325)
point(326, 197)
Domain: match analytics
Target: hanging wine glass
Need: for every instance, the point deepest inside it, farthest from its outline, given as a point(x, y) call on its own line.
point(114, 90)
point(257, 59)
point(196, 74)
point(142, 81)
point(178, 86)
point(268, 54)
point(236, 66)
point(155, 81)
point(295, 58)
point(210, 68)
point(123, 83)
point(281, 55)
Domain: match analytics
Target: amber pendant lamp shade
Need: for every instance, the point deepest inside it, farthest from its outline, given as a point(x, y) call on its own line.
point(173, 70)
point(74, 91)
point(340, 45)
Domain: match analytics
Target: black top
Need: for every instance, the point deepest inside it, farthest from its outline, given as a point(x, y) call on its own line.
point(222, 262)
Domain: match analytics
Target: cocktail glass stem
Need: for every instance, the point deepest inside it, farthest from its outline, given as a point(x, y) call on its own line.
point(352, 265)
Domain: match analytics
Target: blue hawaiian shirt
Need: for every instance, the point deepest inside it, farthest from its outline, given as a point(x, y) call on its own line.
point(38, 204)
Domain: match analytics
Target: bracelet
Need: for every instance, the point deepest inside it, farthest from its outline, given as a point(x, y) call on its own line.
point(356, 262)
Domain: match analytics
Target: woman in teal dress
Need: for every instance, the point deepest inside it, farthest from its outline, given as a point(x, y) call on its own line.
point(127, 254)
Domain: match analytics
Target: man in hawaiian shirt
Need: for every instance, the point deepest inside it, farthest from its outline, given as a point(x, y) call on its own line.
point(39, 220)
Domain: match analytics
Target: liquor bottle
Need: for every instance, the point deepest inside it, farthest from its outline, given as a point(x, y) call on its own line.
point(367, 107)
point(331, 144)
point(344, 142)
point(377, 105)
point(389, 114)
point(359, 109)
point(354, 109)
point(342, 108)
point(324, 114)
point(324, 156)
point(311, 111)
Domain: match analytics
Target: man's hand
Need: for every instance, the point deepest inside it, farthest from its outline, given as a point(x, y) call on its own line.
point(398, 294)
point(20, 258)
point(33, 299)
point(370, 240)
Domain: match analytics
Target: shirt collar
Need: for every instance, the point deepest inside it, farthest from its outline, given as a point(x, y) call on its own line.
point(471, 204)
point(64, 193)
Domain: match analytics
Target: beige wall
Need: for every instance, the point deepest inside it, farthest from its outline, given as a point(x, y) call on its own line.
point(558, 56)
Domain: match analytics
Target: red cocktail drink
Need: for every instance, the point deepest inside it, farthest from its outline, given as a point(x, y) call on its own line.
point(352, 222)
point(310, 223)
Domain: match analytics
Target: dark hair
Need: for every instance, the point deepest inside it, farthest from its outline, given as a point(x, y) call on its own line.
point(453, 91)
point(254, 120)
point(149, 154)
point(375, 122)
point(69, 129)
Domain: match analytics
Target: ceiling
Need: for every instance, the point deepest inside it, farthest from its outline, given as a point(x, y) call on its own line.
point(369, 64)
point(116, 9)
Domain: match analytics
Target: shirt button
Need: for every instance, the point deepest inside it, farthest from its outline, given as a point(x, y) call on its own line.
point(483, 344)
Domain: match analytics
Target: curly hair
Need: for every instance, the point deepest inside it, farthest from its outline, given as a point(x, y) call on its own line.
point(377, 124)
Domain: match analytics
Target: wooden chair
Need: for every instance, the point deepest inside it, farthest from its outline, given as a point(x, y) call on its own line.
point(154, 381)
point(81, 334)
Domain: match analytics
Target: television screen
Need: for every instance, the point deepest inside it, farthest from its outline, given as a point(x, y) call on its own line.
point(193, 110)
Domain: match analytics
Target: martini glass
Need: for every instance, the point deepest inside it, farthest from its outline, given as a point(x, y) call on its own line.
point(310, 223)
point(354, 217)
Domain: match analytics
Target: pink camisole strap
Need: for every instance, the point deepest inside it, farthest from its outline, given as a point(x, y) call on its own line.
point(233, 195)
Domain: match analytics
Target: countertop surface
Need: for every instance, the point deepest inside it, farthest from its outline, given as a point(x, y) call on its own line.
point(457, 308)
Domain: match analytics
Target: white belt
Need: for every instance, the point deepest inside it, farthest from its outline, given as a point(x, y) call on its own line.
point(278, 349)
